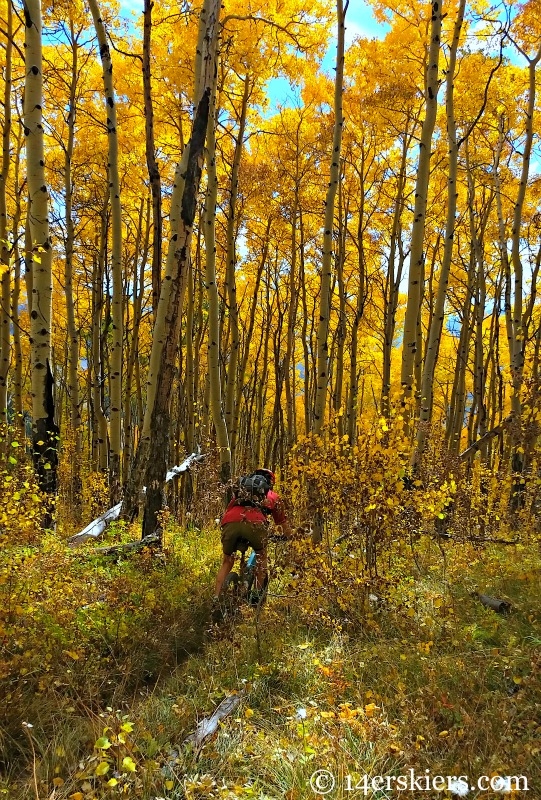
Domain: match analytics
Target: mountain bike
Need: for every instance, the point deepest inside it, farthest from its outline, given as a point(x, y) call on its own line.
point(239, 586)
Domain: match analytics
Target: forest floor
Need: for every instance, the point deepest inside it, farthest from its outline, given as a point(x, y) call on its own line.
point(109, 666)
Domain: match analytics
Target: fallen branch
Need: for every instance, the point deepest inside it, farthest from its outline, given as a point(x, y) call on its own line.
point(511, 542)
point(209, 725)
point(130, 547)
point(486, 437)
point(95, 528)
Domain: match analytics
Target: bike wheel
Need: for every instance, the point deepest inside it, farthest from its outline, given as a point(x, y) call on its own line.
point(231, 583)
point(230, 596)
point(248, 578)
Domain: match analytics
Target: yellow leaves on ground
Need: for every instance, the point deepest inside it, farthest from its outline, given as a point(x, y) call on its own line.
point(128, 764)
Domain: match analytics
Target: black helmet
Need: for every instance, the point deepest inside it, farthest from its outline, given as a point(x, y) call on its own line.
point(268, 474)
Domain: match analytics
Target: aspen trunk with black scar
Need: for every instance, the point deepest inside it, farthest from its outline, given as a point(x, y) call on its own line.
point(160, 417)
point(5, 339)
point(134, 481)
point(44, 430)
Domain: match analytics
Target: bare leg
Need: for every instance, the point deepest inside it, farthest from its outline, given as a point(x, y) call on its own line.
point(223, 572)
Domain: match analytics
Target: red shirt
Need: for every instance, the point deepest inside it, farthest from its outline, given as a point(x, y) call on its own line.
point(238, 513)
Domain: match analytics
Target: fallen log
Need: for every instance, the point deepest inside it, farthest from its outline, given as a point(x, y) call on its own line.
point(129, 547)
point(95, 528)
point(500, 606)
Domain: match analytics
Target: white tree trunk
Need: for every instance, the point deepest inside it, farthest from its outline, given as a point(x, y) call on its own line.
point(44, 429)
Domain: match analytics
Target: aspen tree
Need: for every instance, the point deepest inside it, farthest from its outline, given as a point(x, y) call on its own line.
point(502, 238)
point(308, 372)
point(262, 364)
point(341, 327)
point(455, 419)
point(291, 368)
point(518, 348)
point(99, 425)
point(5, 339)
point(478, 413)
point(134, 482)
point(160, 418)
point(211, 286)
point(200, 336)
point(436, 326)
point(362, 292)
point(190, 387)
point(150, 151)
point(393, 278)
point(17, 348)
point(115, 426)
point(326, 267)
point(251, 326)
point(409, 345)
point(73, 333)
point(44, 429)
point(141, 246)
point(231, 282)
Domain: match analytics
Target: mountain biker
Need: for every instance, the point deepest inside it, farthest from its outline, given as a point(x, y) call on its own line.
point(249, 522)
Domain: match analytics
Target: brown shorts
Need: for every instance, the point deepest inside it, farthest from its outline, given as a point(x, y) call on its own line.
point(255, 533)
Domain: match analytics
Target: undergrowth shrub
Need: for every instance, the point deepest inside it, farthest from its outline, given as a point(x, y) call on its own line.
point(373, 510)
point(78, 628)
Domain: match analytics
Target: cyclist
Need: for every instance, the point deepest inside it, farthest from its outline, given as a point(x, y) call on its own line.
point(249, 522)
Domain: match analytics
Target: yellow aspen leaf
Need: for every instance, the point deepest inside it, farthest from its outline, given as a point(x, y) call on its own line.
point(112, 782)
point(102, 743)
point(102, 768)
point(128, 764)
point(169, 784)
point(249, 712)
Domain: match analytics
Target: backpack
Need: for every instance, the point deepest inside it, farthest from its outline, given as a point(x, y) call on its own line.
point(252, 491)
